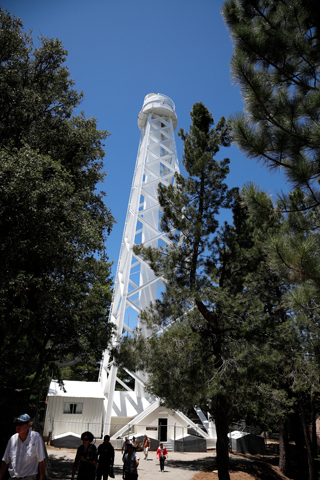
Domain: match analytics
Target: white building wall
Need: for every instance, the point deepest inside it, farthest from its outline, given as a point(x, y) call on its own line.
point(59, 423)
point(118, 422)
point(176, 426)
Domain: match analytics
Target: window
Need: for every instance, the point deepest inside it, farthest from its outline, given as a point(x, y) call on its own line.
point(75, 408)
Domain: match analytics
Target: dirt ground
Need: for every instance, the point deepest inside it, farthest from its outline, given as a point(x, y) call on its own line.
point(259, 467)
point(191, 466)
point(244, 470)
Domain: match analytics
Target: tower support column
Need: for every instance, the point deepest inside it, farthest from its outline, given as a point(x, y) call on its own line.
point(135, 283)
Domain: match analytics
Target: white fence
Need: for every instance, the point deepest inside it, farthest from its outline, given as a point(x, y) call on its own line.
point(162, 433)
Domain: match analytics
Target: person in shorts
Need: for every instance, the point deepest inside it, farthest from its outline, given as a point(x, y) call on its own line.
point(146, 446)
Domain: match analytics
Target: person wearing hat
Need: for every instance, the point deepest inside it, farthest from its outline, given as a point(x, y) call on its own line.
point(24, 454)
point(86, 459)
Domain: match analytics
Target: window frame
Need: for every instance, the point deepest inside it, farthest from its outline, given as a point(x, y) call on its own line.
point(72, 409)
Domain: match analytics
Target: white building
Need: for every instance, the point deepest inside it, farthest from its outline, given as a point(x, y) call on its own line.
point(79, 406)
point(76, 407)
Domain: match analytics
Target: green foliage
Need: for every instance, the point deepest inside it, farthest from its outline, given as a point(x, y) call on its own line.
point(55, 287)
point(85, 370)
point(224, 335)
point(276, 61)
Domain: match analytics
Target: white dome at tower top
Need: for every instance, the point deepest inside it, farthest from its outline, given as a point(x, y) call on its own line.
point(160, 105)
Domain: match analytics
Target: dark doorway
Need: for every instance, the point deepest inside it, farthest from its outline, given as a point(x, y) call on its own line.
point(163, 429)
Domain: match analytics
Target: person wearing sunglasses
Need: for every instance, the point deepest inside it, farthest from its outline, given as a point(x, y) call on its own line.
point(86, 459)
point(24, 454)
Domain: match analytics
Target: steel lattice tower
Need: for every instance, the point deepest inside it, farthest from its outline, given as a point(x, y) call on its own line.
point(135, 283)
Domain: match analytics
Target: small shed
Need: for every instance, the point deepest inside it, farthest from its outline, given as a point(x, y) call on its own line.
point(189, 443)
point(74, 408)
point(244, 442)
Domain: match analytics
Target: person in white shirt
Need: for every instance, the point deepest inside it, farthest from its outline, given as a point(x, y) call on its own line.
point(24, 453)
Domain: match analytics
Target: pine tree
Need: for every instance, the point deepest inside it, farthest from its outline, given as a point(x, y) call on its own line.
point(213, 352)
point(276, 61)
point(55, 287)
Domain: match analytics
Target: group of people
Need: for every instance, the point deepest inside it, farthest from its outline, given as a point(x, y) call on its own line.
point(131, 459)
point(91, 461)
point(24, 456)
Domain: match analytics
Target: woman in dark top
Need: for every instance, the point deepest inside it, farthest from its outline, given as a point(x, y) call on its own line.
point(86, 459)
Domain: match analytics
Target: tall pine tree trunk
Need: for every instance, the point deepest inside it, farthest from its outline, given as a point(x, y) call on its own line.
point(311, 466)
point(222, 447)
point(313, 426)
point(283, 446)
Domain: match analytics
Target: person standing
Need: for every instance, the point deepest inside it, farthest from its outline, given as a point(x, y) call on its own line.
point(124, 450)
point(135, 443)
point(146, 445)
point(106, 458)
point(24, 454)
point(124, 446)
point(162, 454)
point(131, 463)
point(86, 459)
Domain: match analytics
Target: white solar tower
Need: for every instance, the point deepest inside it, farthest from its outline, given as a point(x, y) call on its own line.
point(135, 284)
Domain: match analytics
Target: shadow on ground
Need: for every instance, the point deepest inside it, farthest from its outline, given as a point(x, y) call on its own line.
point(204, 464)
point(191, 465)
point(61, 468)
point(260, 470)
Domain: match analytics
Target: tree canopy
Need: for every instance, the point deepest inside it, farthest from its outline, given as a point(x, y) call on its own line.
point(55, 287)
point(276, 58)
point(222, 324)
point(276, 61)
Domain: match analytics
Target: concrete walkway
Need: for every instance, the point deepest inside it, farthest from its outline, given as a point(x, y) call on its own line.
point(179, 466)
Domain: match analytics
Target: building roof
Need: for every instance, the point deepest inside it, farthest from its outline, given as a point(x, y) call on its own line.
point(75, 389)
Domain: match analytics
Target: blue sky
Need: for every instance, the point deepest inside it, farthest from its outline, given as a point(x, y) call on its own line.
point(121, 50)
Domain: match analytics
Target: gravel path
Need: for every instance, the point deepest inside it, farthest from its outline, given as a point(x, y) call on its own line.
point(179, 466)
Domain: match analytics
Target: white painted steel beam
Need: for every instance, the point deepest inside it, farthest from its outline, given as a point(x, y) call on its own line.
point(156, 163)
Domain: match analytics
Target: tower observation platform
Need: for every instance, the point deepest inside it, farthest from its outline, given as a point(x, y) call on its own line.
point(158, 104)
